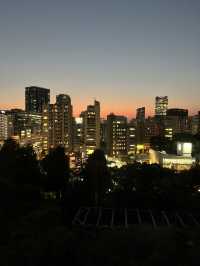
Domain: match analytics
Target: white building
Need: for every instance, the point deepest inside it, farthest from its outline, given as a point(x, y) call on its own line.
point(182, 161)
point(3, 126)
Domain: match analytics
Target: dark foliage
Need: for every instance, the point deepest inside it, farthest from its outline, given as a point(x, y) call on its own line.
point(56, 166)
point(97, 176)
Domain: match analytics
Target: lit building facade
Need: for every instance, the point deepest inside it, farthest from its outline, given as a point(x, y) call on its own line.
point(103, 135)
point(78, 134)
point(64, 130)
point(57, 124)
point(183, 160)
point(91, 128)
point(17, 123)
point(25, 128)
point(177, 120)
point(194, 124)
point(152, 128)
point(45, 129)
point(161, 106)
point(168, 132)
point(131, 137)
point(140, 114)
point(117, 135)
point(36, 98)
point(3, 126)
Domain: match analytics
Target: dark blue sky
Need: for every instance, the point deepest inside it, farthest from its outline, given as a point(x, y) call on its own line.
point(122, 53)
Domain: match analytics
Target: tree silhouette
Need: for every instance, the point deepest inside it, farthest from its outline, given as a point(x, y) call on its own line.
point(8, 159)
point(97, 176)
point(20, 178)
point(56, 166)
point(19, 164)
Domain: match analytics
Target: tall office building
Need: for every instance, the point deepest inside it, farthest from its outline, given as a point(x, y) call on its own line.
point(103, 135)
point(177, 120)
point(140, 125)
point(194, 124)
point(25, 128)
point(65, 122)
point(36, 98)
point(117, 135)
point(131, 137)
point(58, 118)
point(20, 122)
point(45, 129)
point(152, 128)
point(91, 127)
point(140, 114)
point(78, 134)
point(3, 126)
point(57, 124)
point(17, 123)
point(199, 122)
point(161, 106)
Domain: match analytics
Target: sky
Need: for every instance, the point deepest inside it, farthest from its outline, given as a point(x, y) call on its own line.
point(120, 52)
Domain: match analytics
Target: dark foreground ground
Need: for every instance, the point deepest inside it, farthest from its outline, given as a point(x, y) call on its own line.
point(41, 237)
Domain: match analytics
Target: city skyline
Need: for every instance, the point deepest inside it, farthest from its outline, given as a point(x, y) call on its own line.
point(119, 110)
point(121, 53)
point(100, 132)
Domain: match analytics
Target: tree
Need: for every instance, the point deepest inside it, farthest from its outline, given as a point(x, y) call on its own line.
point(20, 178)
point(97, 176)
point(56, 166)
point(8, 159)
point(19, 164)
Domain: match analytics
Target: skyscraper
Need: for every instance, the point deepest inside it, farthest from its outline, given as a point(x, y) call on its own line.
point(91, 127)
point(117, 135)
point(161, 106)
point(57, 120)
point(78, 134)
point(25, 128)
point(3, 126)
point(177, 120)
point(140, 128)
point(17, 122)
point(131, 137)
point(64, 131)
point(199, 122)
point(140, 114)
point(36, 98)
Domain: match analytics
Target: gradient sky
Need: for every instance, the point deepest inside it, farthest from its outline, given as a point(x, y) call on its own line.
point(121, 52)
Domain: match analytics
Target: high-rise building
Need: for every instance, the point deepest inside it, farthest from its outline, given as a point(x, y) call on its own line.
point(65, 122)
point(194, 124)
point(140, 125)
point(3, 126)
point(17, 123)
point(161, 106)
point(131, 137)
point(36, 98)
point(45, 129)
point(152, 128)
point(140, 114)
point(25, 128)
point(177, 112)
point(103, 135)
point(117, 135)
point(177, 120)
point(20, 122)
point(34, 123)
point(91, 127)
point(78, 134)
point(57, 123)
